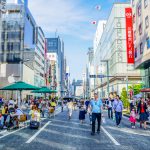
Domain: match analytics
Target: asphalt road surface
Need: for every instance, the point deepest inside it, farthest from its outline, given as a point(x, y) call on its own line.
point(61, 134)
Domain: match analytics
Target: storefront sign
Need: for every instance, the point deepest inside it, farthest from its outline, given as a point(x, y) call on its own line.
point(129, 36)
point(52, 56)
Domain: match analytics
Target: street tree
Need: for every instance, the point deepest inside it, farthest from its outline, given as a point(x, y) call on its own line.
point(136, 88)
point(124, 98)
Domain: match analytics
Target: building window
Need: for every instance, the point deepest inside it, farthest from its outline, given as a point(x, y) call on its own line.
point(140, 29)
point(135, 52)
point(134, 18)
point(139, 9)
point(134, 35)
point(133, 3)
point(141, 48)
point(146, 22)
point(145, 3)
point(148, 42)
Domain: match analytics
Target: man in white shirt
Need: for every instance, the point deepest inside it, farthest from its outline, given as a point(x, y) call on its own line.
point(18, 112)
point(109, 106)
point(11, 102)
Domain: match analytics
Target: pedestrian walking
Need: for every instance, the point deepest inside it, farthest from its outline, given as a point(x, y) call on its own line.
point(143, 114)
point(62, 105)
point(70, 109)
point(132, 118)
point(82, 113)
point(96, 108)
point(90, 115)
point(87, 102)
point(118, 108)
point(109, 106)
point(131, 105)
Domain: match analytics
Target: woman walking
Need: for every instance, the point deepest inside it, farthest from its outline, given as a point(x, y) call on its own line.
point(70, 109)
point(142, 110)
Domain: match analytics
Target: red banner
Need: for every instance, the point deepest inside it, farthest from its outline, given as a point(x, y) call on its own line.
point(129, 36)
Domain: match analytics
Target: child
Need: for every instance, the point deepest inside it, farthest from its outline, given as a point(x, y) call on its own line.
point(82, 113)
point(132, 118)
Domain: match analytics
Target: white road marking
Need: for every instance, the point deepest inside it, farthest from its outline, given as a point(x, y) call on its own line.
point(2, 132)
point(110, 136)
point(9, 133)
point(6, 133)
point(37, 133)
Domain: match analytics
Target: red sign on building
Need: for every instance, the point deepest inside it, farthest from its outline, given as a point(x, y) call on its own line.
point(129, 36)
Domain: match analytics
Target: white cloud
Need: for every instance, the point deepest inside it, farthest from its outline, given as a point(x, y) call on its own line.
point(64, 15)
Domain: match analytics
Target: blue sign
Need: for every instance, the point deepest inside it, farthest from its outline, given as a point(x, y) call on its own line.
point(100, 76)
point(148, 43)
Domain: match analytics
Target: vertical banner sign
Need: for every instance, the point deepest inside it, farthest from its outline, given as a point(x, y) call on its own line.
point(129, 36)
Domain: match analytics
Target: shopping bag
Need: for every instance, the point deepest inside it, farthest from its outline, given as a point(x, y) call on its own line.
point(51, 110)
point(23, 118)
point(103, 120)
point(114, 118)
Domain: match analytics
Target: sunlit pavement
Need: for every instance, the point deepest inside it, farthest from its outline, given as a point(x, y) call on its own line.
point(60, 133)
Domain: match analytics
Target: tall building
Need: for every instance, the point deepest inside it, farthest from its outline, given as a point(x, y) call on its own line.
point(39, 57)
point(141, 27)
point(90, 69)
point(23, 45)
point(100, 28)
point(77, 87)
point(111, 55)
point(56, 45)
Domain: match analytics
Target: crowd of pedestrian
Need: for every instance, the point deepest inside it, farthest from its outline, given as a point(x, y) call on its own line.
point(94, 109)
point(11, 114)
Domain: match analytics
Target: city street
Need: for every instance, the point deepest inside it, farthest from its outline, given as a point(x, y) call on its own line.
point(61, 134)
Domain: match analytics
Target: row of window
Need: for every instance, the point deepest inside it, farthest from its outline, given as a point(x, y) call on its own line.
point(11, 35)
point(142, 47)
point(140, 5)
point(15, 58)
point(15, 25)
point(141, 27)
point(12, 46)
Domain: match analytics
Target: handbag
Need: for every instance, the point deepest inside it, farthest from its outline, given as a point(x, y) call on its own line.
point(23, 118)
point(51, 110)
point(147, 113)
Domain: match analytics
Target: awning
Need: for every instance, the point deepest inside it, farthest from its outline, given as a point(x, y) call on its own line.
point(145, 90)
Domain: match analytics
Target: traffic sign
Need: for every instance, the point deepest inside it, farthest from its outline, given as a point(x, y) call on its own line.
point(92, 76)
point(97, 76)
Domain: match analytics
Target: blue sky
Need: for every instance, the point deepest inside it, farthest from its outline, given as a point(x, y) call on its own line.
point(72, 20)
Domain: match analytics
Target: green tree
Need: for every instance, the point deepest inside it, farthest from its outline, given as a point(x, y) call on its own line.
point(124, 98)
point(136, 88)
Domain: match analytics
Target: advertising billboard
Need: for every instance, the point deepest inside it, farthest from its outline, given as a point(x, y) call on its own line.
point(52, 56)
point(129, 36)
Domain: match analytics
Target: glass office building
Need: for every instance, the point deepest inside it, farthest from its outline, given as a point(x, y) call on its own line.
point(22, 40)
